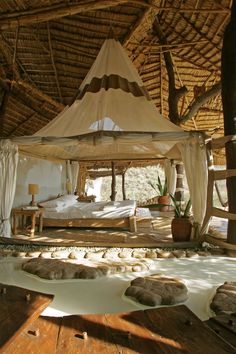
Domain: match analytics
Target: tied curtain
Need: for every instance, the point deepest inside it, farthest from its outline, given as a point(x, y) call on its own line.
point(193, 153)
point(171, 176)
point(8, 171)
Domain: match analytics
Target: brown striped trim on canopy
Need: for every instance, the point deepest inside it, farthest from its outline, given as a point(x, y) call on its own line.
point(115, 82)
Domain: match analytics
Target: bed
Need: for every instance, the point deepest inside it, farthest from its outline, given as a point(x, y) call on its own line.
point(67, 211)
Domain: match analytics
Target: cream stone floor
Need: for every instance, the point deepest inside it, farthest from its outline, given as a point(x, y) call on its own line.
point(202, 275)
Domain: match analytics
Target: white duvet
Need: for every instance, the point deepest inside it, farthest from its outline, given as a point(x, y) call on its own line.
point(97, 210)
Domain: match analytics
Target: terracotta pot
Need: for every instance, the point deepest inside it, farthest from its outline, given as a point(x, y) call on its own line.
point(181, 229)
point(164, 199)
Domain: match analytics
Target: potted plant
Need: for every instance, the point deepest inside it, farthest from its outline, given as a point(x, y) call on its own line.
point(163, 197)
point(181, 225)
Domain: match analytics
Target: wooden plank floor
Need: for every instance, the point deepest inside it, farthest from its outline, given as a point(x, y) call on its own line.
point(157, 236)
point(225, 326)
point(163, 330)
point(18, 308)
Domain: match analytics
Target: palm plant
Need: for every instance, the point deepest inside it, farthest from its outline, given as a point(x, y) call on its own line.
point(179, 210)
point(160, 187)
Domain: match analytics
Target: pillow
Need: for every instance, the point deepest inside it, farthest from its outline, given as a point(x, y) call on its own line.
point(109, 208)
point(54, 203)
point(61, 202)
point(56, 209)
point(68, 199)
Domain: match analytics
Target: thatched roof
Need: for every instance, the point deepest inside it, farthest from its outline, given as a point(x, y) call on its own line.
point(47, 48)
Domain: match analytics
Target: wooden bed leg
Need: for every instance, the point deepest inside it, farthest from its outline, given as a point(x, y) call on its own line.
point(132, 224)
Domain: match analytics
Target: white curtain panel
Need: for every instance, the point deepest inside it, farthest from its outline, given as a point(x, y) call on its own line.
point(195, 162)
point(8, 170)
point(171, 176)
point(74, 174)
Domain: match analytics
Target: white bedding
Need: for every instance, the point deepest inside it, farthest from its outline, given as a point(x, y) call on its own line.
point(97, 210)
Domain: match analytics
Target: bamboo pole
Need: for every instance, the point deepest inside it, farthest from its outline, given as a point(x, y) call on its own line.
point(123, 186)
point(15, 46)
point(53, 62)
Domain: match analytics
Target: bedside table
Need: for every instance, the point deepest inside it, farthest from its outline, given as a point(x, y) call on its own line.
point(33, 214)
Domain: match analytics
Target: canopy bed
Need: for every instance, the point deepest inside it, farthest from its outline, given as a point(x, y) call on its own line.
point(67, 211)
point(113, 118)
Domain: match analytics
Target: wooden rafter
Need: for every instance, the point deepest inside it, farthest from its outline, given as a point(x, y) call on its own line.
point(20, 125)
point(168, 46)
point(43, 14)
point(17, 65)
point(8, 53)
point(200, 32)
point(136, 26)
point(34, 91)
point(15, 46)
point(53, 61)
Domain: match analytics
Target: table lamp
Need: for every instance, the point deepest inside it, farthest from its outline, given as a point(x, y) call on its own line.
point(33, 189)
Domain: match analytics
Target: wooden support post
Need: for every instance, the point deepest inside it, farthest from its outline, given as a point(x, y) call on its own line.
point(133, 224)
point(229, 108)
point(179, 194)
point(123, 185)
point(230, 148)
point(81, 180)
point(113, 182)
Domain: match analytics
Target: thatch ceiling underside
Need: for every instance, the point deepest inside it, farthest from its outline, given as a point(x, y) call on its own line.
point(48, 46)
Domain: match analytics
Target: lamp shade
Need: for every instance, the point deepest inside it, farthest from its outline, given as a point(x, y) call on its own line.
point(33, 188)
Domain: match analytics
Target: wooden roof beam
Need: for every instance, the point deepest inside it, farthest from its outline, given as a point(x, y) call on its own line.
point(27, 17)
point(9, 55)
point(13, 62)
point(136, 26)
point(43, 14)
point(34, 91)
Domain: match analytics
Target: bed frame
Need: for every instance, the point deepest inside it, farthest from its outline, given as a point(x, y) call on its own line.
point(121, 223)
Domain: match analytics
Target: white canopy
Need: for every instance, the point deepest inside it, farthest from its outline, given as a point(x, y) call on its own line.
point(113, 117)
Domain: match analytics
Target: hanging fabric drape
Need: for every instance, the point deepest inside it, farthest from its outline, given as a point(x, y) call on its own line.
point(170, 173)
point(193, 153)
point(8, 171)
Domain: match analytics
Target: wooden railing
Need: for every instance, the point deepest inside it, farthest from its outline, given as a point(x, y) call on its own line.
point(213, 176)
